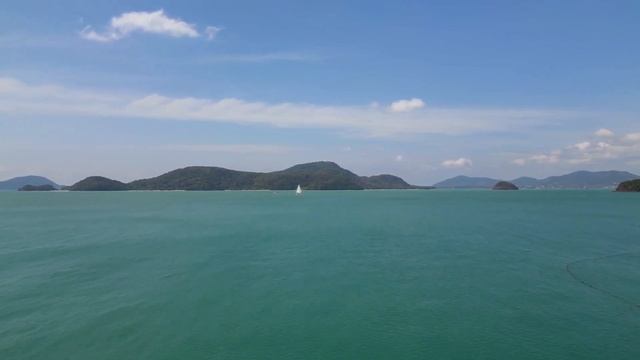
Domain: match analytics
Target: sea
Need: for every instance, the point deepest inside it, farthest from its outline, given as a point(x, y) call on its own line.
point(407, 274)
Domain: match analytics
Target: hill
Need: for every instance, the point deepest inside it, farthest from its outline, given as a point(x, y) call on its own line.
point(18, 182)
point(321, 175)
point(384, 181)
point(467, 182)
point(504, 185)
point(574, 180)
point(629, 186)
point(526, 182)
point(586, 180)
point(198, 178)
point(97, 183)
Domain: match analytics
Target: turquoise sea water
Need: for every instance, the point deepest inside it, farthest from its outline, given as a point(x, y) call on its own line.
point(329, 275)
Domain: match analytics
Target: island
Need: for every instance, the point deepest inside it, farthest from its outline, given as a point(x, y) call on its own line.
point(97, 183)
point(575, 180)
point(629, 186)
point(45, 187)
point(320, 175)
point(18, 182)
point(504, 185)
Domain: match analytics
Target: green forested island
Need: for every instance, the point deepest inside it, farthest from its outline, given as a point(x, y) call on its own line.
point(322, 175)
point(629, 186)
point(504, 185)
point(45, 187)
point(97, 183)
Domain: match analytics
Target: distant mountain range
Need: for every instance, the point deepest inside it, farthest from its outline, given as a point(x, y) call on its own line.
point(18, 182)
point(467, 182)
point(574, 180)
point(322, 175)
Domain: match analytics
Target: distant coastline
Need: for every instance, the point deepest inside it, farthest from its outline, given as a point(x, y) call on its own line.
point(321, 175)
point(575, 180)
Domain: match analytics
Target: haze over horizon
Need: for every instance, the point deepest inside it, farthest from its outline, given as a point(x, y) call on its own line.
point(422, 89)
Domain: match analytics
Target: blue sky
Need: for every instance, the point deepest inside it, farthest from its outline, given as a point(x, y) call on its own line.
point(421, 89)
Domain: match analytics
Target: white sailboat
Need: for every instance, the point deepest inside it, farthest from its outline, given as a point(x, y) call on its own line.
point(299, 190)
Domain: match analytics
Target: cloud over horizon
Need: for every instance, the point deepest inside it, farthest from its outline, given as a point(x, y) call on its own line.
point(19, 98)
point(604, 133)
point(594, 150)
point(457, 163)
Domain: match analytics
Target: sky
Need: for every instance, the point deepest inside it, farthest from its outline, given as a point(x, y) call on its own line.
point(421, 89)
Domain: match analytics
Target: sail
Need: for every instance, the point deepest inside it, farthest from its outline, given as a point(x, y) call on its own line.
point(299, 190)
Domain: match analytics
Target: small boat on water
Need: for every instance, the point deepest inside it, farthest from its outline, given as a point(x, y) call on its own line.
point(299, 190)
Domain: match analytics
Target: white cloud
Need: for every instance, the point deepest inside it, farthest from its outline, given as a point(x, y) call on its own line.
point(616, 147)
point(89, 34)
point(545, 158)
point(152, 22)
point(406, 105)
point(604, 133)
point(582, 146)
point(20, 99)
point(18, 91)
point(632, 137)
point(399, 158)
point(155, 22)
point(457, 163)
point(212, 32)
